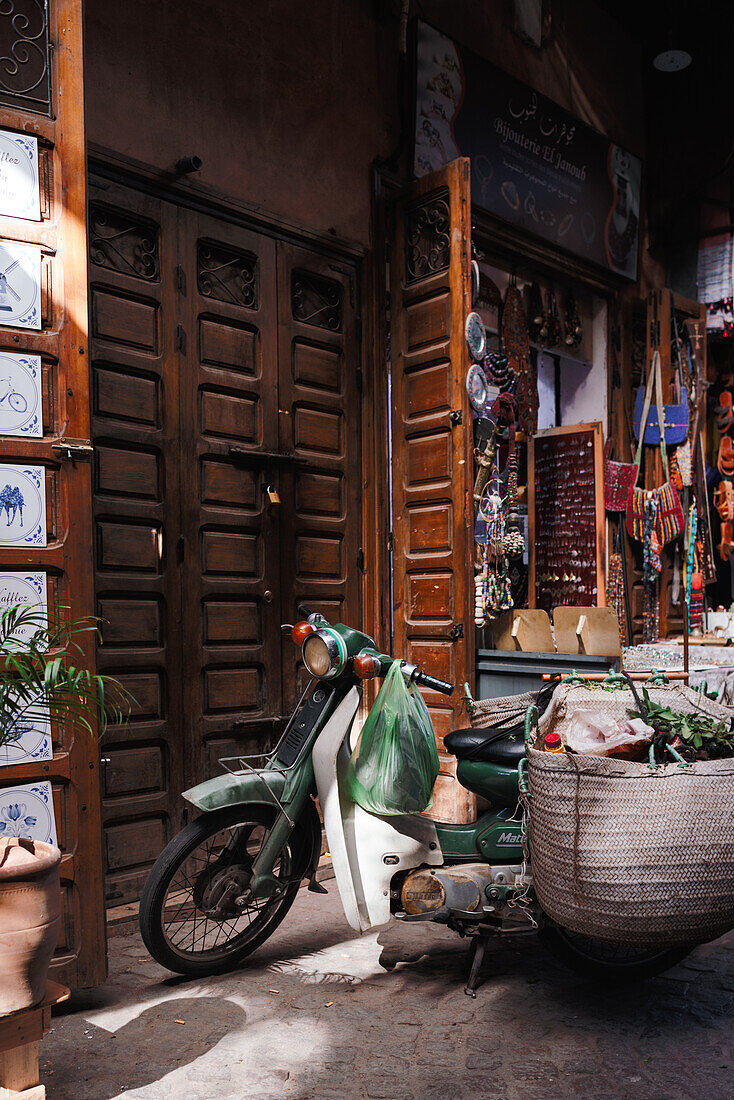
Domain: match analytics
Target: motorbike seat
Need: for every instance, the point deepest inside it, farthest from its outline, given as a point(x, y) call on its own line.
point(486, 745)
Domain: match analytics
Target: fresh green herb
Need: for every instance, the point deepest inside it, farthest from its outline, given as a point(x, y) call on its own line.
point(704, 737)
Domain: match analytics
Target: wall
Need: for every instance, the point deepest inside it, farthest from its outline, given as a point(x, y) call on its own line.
point(288, 104)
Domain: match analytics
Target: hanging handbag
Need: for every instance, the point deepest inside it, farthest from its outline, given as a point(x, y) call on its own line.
point(669, 520)
point(619, 477)
point(676, 417)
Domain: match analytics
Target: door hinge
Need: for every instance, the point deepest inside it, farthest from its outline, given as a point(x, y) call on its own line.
point(360, 561)
point(456, 632)
point(180, 338)
point(179, 277)
point(456, 416)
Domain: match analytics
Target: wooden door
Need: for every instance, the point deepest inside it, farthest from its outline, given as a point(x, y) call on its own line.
point(135, 423)
point(319, 429)
point(42, 94)
point(228, 365)
point(432, 451)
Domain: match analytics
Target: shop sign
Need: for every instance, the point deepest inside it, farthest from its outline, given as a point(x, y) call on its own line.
point(532, 163)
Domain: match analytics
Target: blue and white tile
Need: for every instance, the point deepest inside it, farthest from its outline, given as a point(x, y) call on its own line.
point(27, 811)
point(22, 505)
point(31, 730)
point(20, 194)
point(26, 588)
point(21, 400)
point(20, 285)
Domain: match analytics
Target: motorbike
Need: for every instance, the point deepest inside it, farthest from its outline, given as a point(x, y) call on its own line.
point(223, 885)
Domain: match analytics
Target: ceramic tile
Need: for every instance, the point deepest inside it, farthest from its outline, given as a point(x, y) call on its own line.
point(20, 285)
point(28, 811)
point(20, 195)
point(21, 404)
point(22, 506)
point(32, 730)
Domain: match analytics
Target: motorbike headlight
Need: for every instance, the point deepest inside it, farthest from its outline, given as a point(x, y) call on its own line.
point(322, 654)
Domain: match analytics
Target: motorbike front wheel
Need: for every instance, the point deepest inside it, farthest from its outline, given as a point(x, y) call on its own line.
point(189, 918)
point(612, 962)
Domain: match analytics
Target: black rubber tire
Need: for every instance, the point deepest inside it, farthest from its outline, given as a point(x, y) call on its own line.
point(578, 953)
point(166, 866)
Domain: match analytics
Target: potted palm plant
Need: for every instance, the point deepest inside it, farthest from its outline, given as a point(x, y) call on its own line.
point(39, 678)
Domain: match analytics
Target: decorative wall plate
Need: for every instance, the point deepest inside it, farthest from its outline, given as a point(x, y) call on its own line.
point(476, 336)
point(20, 395)
point(477, 388)
point(22, 505)
point(28, 811)
point(19, 191)
point(474, 283)
point(33, 732)
point(20, 285)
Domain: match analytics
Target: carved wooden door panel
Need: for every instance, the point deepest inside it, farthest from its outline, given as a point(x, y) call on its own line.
point(432, 451)
point(319, 426)
point(42, 96)
point(135, 424)
point(230, 529)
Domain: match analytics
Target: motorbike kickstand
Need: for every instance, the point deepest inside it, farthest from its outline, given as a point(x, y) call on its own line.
point(476, 958)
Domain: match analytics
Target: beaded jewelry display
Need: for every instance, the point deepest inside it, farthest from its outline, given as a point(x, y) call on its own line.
point(690, 561)
point(514, 542)
point(615, 592)
point(572, 322)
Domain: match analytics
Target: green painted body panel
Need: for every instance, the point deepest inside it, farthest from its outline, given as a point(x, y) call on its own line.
point(498, 785)
point(494, 837)
point(234, 790)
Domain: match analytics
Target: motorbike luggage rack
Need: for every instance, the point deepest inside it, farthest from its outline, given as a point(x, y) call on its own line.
point(239, 765)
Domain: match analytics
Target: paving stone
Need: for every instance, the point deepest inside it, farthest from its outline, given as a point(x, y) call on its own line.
point(535, 1031)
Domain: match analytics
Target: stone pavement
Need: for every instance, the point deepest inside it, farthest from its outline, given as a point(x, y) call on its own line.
point(315, 1015)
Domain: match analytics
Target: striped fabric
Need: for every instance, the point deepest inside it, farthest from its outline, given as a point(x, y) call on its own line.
point(669, 518)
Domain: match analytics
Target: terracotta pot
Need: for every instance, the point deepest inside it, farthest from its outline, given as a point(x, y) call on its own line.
point(30, 919)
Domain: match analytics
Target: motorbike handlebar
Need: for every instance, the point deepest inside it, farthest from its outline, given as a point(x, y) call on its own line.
point(434, 684)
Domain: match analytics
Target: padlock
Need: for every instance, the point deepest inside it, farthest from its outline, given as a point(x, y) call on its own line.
point(272, 494)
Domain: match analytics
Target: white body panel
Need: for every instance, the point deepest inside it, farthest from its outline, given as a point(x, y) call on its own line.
point(359, 841)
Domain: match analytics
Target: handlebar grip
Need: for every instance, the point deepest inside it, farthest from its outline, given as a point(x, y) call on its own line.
point(434, 684)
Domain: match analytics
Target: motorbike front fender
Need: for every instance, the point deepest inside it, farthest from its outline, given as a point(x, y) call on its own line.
point(264, 787)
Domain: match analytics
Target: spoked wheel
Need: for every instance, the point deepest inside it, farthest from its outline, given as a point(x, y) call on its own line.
point(613, 962)
point(195, 914)
point(18, 402)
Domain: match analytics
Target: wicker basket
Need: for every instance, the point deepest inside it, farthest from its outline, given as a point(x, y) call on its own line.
point(630, 855)
point(506, 709)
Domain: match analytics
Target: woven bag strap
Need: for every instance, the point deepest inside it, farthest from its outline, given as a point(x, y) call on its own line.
point(654, 383)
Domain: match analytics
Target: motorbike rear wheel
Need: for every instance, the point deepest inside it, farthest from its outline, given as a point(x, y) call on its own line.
point(611, 962)
point(188, 918)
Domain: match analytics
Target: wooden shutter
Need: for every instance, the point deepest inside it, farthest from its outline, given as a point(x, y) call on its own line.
point(43, 95)
point(432, 451)
point(134, 358)
point(319, 425)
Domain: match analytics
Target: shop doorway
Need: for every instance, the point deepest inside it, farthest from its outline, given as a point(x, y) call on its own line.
point(227, 488)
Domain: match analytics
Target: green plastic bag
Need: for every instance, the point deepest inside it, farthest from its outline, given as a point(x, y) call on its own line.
point(393, 769)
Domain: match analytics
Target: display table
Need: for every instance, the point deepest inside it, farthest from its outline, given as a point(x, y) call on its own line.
point(709, 664)
point(20, 1034)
